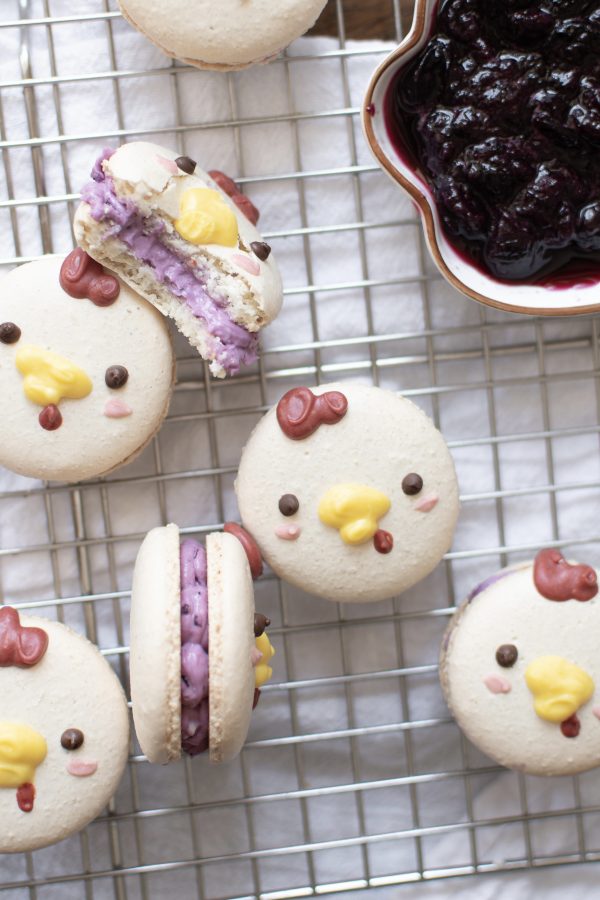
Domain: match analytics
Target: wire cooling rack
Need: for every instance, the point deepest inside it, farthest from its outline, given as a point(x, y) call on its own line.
point(354, 776)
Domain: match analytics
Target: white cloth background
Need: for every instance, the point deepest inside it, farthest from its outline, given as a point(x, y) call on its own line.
point(265, 154)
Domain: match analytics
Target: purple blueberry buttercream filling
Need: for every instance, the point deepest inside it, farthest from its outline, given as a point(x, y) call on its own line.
point(194, 648)
point(234, 345)
point(488, 582)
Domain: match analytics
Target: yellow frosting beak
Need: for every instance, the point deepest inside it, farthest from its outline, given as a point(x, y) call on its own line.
point(50, 378)
point(559, 687)
point(205, 218)
point(262, 670)
point(355, 510)
point(22, 750)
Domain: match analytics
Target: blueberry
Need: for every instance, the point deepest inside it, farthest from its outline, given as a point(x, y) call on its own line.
point(588, 227)
point(464, 212)
point(425, 81)
point(531, 24)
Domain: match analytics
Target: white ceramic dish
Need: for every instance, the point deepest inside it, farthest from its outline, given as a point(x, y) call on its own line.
point(571, 297)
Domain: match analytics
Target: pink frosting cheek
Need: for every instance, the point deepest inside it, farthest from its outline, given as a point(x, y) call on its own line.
point(497, 684)
point(116, 409)
point(82, 768)
point(167, 164)
point(596, 711)
point(427, 503)
point(288, 532)
point(244, 262)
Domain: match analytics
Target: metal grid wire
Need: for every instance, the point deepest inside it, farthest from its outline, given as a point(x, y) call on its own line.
point(316, 755)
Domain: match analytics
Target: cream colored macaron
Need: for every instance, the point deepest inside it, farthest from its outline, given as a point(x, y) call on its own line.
point(86, 372)
point(64, 732)
point(187, 242)
point(199, 653)
point(520, 669)
point(229, 34)
point(349, 491)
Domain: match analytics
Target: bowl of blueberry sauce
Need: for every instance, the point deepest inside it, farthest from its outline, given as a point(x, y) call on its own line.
point(488, 115)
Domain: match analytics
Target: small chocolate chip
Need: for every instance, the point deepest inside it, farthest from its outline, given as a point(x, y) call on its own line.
point(412, 483)
point(260, 249)
point(185, 609)
point(71, 739)
point(260, 623)
point(186, 164)
point(288, 504)
point(116, 377)
point(506, 655)
point(9, 333)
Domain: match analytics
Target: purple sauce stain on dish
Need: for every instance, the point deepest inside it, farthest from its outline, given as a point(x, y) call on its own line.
point(194, 648)
point(500, 112)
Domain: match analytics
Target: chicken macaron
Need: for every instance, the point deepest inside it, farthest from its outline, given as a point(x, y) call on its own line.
point(199, 653)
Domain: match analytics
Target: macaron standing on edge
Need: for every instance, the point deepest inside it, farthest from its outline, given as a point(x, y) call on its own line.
point(64, 732)
point(520, 669)
point(198, 652)
point(86, 370)
point(228, 34)
point(349, 491)
point(187, 242)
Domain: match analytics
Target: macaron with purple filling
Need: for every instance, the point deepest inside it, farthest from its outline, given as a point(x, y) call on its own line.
point(186, 241)
point(520, 670)
point(86, 370)
point(64, 731)
point(199, 653)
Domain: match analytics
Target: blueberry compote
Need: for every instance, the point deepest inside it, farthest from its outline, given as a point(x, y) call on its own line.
point(501, 110)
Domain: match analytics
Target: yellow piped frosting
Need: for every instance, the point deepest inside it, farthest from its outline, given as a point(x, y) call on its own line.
point(262, 670)
point(22, 750)
point(355, 510)
point(50, 378)
point(559, 687)
point(205, 218)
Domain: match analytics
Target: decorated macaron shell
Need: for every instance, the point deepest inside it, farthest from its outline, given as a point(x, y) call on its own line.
point(187, 241)
point(86, 370)
point(349, 491)
point(520, 670)
point(64, 732)
point(221, 34)
point(199, 653)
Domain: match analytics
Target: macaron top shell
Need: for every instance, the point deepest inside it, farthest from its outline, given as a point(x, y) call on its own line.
point(321, 505)
point(493, 703)
point(107, 426)
point(228, 33)
point(71, 687)
point(230, 640)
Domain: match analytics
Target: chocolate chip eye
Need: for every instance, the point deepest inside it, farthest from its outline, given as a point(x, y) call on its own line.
point(412, 483)
point(71, 739)
point(506, 655)
point(186, 164)
point(260, 623)
point(116, 377)
point(9, 333)
point(288, 504)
